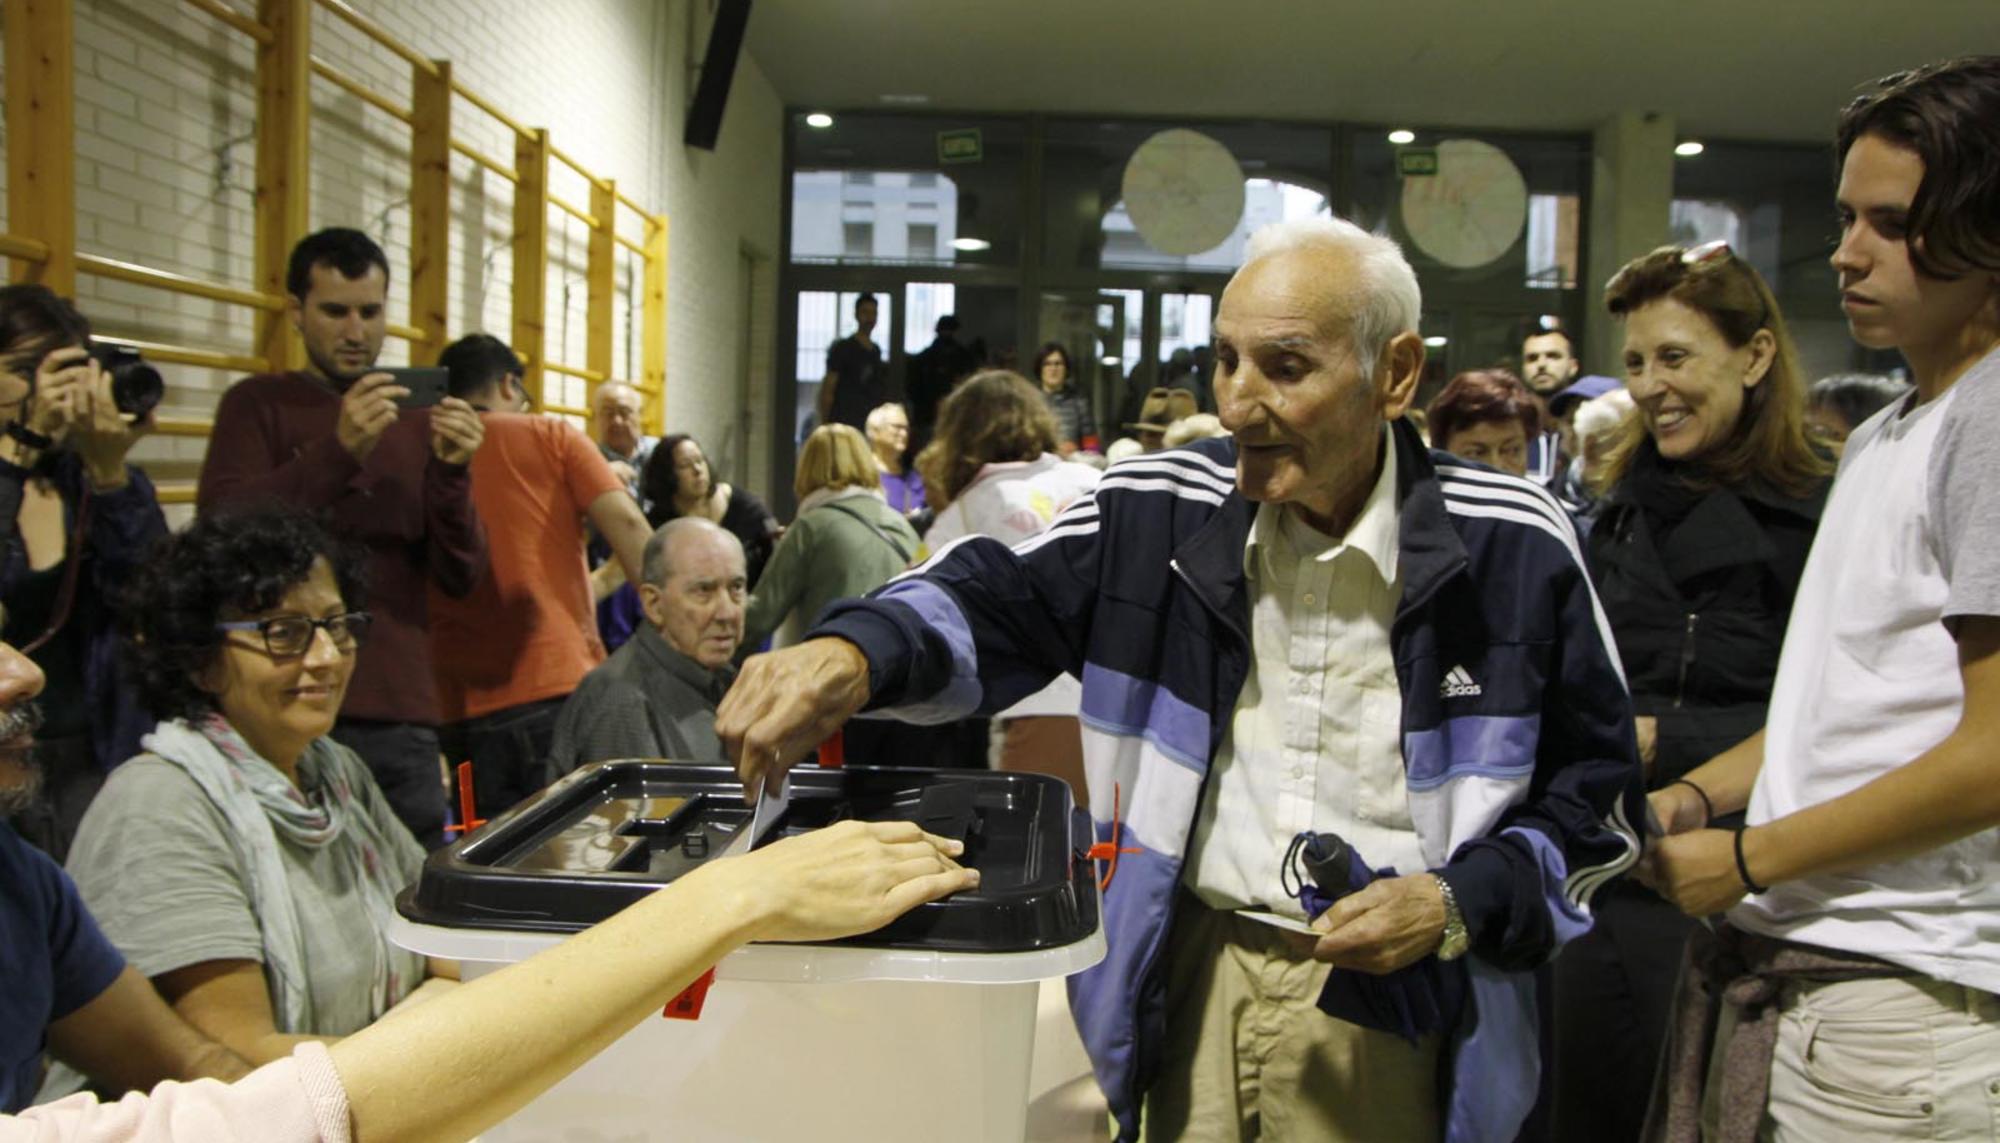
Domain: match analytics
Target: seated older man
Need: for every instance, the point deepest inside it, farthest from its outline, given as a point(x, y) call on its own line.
point(655, 697)
point(1352, 722)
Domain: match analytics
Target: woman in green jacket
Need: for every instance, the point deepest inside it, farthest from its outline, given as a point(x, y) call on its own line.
point(846, 540)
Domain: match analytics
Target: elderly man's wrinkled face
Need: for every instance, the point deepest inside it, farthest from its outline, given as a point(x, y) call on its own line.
point(889, 434)
point(616, 418)
point(699, 609)
point(20, 681)
point(1289, 386)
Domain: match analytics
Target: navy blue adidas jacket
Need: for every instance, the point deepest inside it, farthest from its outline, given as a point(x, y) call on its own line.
point(1521, 766)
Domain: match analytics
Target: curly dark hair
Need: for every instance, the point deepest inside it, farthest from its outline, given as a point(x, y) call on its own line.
point(237, 561)
point(659, 483)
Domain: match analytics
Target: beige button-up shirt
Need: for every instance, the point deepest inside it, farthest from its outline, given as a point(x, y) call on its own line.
point(1315, 740)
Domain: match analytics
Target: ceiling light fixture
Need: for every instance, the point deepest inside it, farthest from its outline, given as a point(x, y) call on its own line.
point(1688, 148)
point(971, 245)
point(1436, 342)
point(910, 99)
point(819, 120)
point(1402, 136)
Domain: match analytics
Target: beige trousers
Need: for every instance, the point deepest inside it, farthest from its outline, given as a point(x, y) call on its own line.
point(1248, 1055)
point(1901, 1058)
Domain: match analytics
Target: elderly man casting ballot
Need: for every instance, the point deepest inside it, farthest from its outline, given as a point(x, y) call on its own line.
point(1320, 664)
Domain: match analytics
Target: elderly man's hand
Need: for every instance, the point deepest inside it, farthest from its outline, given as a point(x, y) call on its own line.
point(1384, 925)
point(1695, 870)
point(787, 702)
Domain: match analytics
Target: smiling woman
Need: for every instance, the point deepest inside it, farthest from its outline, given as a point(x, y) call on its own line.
point(1712, 498)
point(245, 861)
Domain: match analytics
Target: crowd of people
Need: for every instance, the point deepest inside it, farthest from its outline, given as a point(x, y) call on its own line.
point(1428, 739)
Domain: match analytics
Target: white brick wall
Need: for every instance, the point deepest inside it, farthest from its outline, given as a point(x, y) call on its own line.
point(741, 180)
point(166, 170)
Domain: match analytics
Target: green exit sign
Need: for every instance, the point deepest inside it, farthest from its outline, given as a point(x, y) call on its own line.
point(961, 146)
point(1416, 161)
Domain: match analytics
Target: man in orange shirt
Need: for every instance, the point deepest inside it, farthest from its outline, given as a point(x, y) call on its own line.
point(508, 654)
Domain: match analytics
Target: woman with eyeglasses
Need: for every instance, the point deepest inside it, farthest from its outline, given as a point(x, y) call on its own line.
point(1710, 499)
point(75, 520)
point(244, 861)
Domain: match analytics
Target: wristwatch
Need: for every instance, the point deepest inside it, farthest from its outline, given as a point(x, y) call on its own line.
point(1456, 939)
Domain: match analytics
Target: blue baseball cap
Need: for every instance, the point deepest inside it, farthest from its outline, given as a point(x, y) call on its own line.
point(1585, 388)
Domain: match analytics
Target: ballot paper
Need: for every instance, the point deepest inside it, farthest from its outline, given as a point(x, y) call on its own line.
point(771, 805)
point(1279, 922)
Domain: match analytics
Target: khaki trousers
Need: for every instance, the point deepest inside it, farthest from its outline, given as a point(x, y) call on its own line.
point(1897, 1058)
point(1248, 1055)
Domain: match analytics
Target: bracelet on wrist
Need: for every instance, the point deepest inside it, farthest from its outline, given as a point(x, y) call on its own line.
point(1707, 806)
point(1743, 867)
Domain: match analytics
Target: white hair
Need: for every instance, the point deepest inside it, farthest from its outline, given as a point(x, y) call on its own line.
point(879, 416)
point(1390, 302)
point(1602, 413)
point(1122, 448)
point(1200, 426)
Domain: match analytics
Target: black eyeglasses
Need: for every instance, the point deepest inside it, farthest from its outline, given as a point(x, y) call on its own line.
point(289, 636)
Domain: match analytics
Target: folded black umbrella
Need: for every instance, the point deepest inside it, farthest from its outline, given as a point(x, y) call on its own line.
point(1413, 1001)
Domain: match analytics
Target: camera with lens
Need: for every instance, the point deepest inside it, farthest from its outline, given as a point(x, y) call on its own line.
point(136, 387)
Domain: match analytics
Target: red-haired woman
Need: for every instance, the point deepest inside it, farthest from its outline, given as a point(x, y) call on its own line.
point(1487, 416)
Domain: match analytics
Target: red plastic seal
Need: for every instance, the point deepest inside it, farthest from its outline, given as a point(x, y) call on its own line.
point(687, 1005)
point(467, 821)
point(833, 752)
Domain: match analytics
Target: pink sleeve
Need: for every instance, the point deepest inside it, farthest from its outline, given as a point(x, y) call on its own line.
point(294, 1100)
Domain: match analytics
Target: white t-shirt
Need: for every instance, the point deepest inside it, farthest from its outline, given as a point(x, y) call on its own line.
point(1013, 502)
point(1869, 680)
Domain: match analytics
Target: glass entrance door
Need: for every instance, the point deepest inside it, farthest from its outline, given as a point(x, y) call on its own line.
point(824, 317)
point(1099, 330)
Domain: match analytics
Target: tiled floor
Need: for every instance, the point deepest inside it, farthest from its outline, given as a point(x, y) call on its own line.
point(1064, 1105)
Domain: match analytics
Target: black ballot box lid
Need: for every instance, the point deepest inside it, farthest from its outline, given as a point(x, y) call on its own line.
point(608, 834)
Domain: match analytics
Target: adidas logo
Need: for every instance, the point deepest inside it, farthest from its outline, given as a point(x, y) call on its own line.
point(1458, 684)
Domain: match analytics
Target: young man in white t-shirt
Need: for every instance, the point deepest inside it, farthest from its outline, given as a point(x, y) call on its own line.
point(1866, 886)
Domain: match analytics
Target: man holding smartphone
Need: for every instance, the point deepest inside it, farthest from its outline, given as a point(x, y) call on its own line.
point(337, 440)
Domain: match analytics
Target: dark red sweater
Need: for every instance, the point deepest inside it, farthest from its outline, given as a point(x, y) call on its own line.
point(274, 441)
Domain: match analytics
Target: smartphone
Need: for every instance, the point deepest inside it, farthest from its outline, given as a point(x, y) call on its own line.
point(427, 384)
